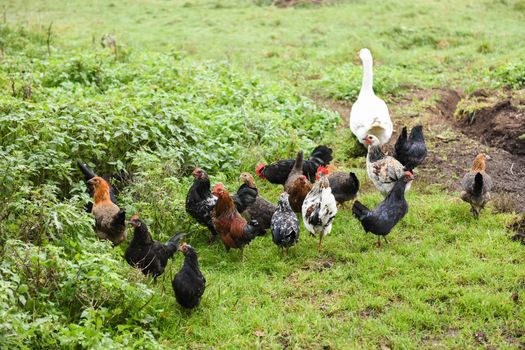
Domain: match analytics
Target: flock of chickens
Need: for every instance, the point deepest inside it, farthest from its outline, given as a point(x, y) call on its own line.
point(309, 189)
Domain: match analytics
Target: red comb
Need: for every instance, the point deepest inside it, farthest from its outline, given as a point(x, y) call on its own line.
point(218, 186)
point(135, 217)
point(322, 169)
point(259, 169)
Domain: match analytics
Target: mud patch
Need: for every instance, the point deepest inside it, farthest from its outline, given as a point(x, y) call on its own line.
point(452, 145)
point(448, 102)
point(451, 152)
point(501, 125)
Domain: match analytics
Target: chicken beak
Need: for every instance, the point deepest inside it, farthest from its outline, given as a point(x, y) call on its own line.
point(487, 157)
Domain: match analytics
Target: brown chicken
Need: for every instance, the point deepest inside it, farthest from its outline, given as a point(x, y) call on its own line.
point(110, 220)
point(233, 229)
point(297, 185)
point(477, 185)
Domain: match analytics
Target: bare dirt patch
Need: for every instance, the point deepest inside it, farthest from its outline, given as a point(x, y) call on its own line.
point(454, 147)
point(500, 125)
point(453, 143)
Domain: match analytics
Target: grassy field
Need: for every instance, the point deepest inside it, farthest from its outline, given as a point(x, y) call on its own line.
point(221, 84)
point(421, 43)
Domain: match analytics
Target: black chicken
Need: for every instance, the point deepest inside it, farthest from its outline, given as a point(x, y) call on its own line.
point(278, 172)
point(382, 219)
point(88, 175)
point(246, 194)
point(189, 283)
point(344, 186)
point(199, 201)
point(146, 254)
point(259, 209)
point(411, 150)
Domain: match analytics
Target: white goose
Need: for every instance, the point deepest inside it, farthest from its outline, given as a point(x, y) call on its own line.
point(369, 115)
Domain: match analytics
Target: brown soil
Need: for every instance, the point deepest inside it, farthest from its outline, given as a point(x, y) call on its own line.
point(499, 126)
point(452, 144)
point(453, 152)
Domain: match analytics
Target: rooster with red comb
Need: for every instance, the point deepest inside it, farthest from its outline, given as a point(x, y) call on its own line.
point(233, 229)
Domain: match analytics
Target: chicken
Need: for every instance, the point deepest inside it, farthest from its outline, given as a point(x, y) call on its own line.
point(232, 228)
point(297, 185)
point(88, 175)
point(110, 220)
point(344, 186)
point(382, 219)
point(411, 150)
point(146, 254)
point(285, 226)
point(189, 283)
point(260, 210)
point(383, 170)
point(199, 200)
point(369, 114)
point(477, 185)
point(319, 209)
point(246, 194)
point(277, 173)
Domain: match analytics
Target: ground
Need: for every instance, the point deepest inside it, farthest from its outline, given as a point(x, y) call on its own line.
point(445, 280)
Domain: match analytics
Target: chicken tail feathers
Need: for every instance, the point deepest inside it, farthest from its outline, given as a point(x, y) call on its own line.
point(88, 173)
point(173, 244)
point(359, 210)
point(478, 184)
point(416, 134)
point(299, 160)
point(119, 220)
point(401, 140)
point(322, 155)
point(251, 231)
point(355, 180)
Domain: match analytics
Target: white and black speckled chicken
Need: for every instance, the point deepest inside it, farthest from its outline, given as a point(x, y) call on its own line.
point(285, 225)
point(411, 150)
point(382, 219)
point(383, 170)
point(199, 201)
point(319, 208)
point(477, 185)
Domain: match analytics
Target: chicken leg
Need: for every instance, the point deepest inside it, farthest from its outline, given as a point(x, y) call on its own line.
point(320, 242)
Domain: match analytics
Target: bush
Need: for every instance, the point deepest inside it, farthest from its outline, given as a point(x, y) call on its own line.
point(511, 75)
point(53, 298)
point(147, 121)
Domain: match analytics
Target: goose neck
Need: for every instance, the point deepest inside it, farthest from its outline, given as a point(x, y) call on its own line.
point(367, 85)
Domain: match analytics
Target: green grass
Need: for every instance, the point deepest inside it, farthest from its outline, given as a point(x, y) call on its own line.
point(219, 83)
point(442, 278)
point(428, 44)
